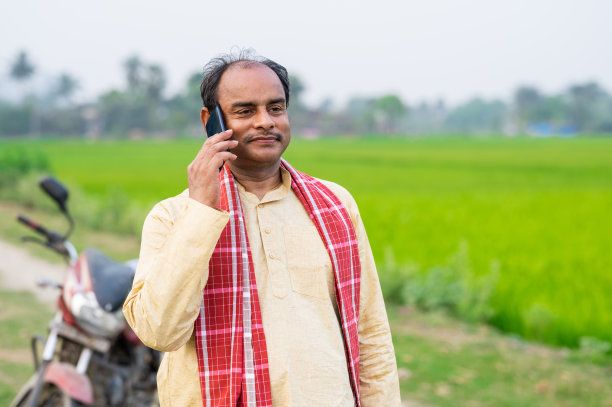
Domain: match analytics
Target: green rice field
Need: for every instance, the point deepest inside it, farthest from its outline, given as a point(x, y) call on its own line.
point(538, 210)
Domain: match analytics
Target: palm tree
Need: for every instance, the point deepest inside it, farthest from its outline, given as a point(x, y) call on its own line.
point(133, 72)
point(156, 82)
point(22, 69)
point(65, 87)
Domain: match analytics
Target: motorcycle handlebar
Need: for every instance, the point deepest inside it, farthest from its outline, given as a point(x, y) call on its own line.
point(34, 226)
point(52, 237)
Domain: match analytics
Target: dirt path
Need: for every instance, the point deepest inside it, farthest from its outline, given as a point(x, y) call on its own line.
point(19, 270)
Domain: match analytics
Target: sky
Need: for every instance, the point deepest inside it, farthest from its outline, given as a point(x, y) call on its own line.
point(426, 50)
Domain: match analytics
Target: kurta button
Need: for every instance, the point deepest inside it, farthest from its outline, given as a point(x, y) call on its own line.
point(267, 230)
point(271, 255)
point(260, 206)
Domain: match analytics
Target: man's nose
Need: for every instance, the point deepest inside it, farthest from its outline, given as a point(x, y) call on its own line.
point(263, 120)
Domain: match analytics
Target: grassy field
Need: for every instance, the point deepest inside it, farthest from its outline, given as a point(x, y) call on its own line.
point(446, 363)
point(537, 210)
point(442, 362)
point(21, 316)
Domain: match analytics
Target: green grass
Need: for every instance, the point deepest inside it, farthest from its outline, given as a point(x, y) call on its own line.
point(21, 316)
point(536, 208)
point(442, 362)
point(446, 363)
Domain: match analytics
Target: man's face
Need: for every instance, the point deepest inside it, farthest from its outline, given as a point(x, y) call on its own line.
point(254, 107)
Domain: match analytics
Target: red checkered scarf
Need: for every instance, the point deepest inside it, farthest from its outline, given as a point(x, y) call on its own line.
point(230, 341)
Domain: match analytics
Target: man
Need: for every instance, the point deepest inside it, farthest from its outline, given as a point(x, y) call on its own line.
point(258, 281)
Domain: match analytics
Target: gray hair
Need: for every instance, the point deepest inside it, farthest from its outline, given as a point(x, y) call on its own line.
point(215, 68)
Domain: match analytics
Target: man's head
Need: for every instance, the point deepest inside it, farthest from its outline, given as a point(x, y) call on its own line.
point(215, 68)
point(252, 94)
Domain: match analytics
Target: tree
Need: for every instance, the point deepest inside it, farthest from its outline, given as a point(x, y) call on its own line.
point(361, 111)
point(141, 106)
point(300, 119)
point(155, 83)
point(390, 109)
point(183, 108)
point(583, 103)
point(22, 69)
point(193, 85)
point(65, 87)
point(297, 90)
point(526, 100)
point(478, 116)
point(550, 109)
point(133, 72)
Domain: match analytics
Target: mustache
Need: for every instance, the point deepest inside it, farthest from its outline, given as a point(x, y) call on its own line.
point(250, 137)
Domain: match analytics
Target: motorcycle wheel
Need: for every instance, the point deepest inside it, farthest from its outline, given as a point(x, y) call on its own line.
point(50, 396)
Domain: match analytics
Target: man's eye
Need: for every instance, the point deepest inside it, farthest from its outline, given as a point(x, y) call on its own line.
point(244, 111)
point(276, 109)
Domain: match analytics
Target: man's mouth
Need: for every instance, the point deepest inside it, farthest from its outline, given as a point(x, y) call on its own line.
point(263, 138)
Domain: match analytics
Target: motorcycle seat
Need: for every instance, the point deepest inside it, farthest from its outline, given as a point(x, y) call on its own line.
point(111, 280)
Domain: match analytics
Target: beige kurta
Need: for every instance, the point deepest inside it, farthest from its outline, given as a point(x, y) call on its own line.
point(295, 284)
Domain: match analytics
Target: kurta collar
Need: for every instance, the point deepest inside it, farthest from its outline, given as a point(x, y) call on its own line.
point(275, 194)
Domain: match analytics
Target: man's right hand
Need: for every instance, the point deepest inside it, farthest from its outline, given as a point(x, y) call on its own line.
point(203, 172)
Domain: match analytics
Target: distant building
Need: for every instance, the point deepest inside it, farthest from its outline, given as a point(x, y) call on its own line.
point(545, 129)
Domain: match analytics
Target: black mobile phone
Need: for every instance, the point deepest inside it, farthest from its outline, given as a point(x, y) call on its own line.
point(215, 122)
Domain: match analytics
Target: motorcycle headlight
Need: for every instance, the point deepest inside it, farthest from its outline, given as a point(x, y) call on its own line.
point(93, 318)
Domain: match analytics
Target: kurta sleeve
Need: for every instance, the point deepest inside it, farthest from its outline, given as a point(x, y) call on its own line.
point(178, 238)
point(378, 379)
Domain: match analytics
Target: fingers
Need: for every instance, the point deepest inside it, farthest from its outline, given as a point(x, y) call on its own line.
point(223, 145)
point(214, 154)
point(203, 171)
point(215, 161)
point(224, 135)
point(218, 153)
point(226, 156)
point(216, 143)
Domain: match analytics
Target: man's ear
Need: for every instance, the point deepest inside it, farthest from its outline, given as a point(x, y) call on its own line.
point(204, 116)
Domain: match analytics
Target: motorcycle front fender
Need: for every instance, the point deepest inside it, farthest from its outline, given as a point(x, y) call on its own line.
point(75, 384)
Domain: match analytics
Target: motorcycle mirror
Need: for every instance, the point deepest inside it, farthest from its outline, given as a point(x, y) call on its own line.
point(55, 190)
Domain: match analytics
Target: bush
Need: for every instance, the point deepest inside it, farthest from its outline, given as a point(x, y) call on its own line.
point(113, 212)
point(594, 350)
point(452, 286)
point(538, 319)
point(20, 173)
point(14, 164)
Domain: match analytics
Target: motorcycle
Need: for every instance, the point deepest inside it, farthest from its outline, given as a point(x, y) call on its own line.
point(90, 356)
